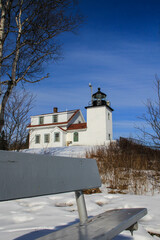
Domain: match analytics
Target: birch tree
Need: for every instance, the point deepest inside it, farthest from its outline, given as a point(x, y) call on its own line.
point(29, 31)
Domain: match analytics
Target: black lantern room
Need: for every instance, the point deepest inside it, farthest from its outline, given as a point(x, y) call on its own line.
point(99, 98)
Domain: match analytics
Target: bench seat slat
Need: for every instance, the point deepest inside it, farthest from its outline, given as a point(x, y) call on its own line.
point(101, 227)
point(25, 175)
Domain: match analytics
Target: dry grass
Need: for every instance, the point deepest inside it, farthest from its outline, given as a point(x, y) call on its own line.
point(126, 166)
point(91, 191)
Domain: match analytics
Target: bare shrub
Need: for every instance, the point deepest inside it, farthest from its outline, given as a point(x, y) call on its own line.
point(91, 191)
point(126, 166)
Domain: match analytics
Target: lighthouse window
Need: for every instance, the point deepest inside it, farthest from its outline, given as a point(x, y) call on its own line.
point(57, 137)
point(75, 137)
point(55, 118)
point(108, 116)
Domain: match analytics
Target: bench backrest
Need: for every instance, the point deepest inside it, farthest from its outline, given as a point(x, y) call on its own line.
point(25, 175)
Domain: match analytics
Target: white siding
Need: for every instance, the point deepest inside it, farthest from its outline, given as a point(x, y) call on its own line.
point(44, 131)
point(34, 121)
point(98, 125)
point(109, 130)
point(82, 134)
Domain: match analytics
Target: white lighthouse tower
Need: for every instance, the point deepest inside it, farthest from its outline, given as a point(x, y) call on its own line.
point(99, 120)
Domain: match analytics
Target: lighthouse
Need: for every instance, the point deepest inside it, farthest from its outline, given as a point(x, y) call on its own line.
point(99, 119)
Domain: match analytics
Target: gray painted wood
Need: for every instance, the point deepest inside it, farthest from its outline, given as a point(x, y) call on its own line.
point(102, 227)
point(27, 175)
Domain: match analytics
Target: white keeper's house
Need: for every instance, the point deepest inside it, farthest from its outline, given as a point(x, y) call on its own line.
point(68, 128)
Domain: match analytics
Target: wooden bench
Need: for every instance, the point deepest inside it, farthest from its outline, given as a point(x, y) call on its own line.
point(25, 175)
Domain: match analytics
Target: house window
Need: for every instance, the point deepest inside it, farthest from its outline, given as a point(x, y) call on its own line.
point(75, 137)
point(46, 138)
point(37, 139)
point(55, 118)
point(108, 116)
point(41, 120)
point(57, 137)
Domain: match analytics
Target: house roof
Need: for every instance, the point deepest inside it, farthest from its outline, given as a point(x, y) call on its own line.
point(52, 113)
point(62, 129)
point(47, 124)
point(77, 126)
point(55, 124)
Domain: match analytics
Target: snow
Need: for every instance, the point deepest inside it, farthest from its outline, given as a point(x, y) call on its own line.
point(72, 151)
point(27, 219)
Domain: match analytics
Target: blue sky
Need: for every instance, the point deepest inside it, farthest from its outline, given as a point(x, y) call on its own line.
point(117, 49)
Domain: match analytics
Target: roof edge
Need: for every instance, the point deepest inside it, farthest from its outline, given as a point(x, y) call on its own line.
point(100, 106)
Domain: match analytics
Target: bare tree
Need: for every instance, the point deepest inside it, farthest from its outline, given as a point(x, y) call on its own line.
point(150, 131)
point(17, 118)
point(29, 31)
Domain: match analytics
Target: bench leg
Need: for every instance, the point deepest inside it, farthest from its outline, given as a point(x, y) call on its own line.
point(81, 207)
point(132, 228)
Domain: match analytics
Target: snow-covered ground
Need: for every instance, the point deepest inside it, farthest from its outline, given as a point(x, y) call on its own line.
point(27, 219)
point(73, 151)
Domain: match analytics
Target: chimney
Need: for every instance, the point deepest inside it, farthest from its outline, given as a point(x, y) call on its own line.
point(55, 109)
